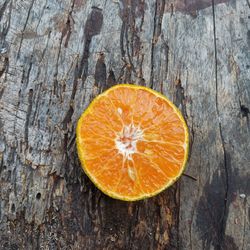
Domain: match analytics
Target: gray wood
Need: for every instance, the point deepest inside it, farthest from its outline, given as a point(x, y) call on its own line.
point(56, 56)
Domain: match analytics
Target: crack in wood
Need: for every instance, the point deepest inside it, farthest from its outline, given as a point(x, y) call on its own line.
point(111, 80)
point(4, 65)
point(122, 39)
point(130, 44)
point(225, 165)
point(158, 15)
point(131, 65)
point(5, 27)
point(100, 73)
point(248, 3)
point(3, 8)
point(152, 47)
point(24, 27)
point(66, 31)
point(92, 27)
point(29, 109)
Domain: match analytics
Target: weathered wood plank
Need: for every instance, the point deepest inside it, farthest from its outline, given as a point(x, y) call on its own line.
point(233, 92)
point(55, 56)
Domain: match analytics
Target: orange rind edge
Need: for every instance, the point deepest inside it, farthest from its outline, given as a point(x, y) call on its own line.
point(82, 158)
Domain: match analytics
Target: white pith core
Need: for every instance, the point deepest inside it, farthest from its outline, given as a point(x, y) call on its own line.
point(127, 139)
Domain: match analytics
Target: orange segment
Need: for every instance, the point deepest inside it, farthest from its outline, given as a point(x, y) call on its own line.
point(128, 183)
point(107, 175)
point(146, 167)
point(124, 100)
point(160, 154)
point(132, 142)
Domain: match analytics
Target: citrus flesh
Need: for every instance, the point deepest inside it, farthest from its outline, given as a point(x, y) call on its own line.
point(132, 142)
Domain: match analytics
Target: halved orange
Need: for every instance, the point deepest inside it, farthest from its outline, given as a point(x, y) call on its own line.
point(132, 142)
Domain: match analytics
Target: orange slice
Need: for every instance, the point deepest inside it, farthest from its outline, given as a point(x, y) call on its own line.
point(132, 142)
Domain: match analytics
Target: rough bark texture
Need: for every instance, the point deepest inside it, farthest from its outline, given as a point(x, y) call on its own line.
point(55, 56)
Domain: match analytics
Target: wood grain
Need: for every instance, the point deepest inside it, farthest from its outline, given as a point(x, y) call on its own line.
point(56, 56)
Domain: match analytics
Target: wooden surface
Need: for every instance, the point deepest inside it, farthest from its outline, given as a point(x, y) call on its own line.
point(55, 56)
